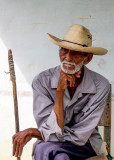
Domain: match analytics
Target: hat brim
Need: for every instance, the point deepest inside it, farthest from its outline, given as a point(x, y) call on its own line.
point(75, 47)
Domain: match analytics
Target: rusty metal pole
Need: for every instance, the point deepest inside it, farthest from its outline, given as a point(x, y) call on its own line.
point(13, 79)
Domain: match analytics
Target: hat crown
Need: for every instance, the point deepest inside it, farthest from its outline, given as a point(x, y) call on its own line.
point(78, 34)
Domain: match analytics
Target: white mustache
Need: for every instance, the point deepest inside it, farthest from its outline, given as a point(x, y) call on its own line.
point(69, 63)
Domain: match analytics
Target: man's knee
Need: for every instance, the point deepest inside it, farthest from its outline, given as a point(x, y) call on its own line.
point(40, 150)
point(41, 147)
point(62, 156)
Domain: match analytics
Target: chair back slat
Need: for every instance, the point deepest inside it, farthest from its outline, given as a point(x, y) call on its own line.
point(106, 122)
point(106, 116)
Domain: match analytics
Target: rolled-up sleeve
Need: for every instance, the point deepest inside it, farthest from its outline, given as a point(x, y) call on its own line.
point(89, 117)
point(43, 112)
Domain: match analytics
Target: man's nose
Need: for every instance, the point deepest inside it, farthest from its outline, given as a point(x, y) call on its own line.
point(69, 56)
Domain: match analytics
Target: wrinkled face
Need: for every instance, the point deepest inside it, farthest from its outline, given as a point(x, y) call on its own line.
point(71, 56)
point(71, 61)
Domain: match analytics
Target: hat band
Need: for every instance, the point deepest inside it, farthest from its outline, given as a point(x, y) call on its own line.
point(83, 45)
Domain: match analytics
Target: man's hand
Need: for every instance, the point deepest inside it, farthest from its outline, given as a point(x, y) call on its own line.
point(67, 80)
point(21, 138)
point(19, 141)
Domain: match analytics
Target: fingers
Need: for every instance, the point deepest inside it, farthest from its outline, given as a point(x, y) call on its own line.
point(19, 141)
point(14, 147)
point(20, 151)
point(17, 150)
point(18, 144)
point(78, 74)
point(14, 143)
point(67, 80)
point(71, 80)
point(22, 144)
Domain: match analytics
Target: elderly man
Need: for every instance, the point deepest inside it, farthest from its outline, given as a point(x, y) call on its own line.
point(68, 103)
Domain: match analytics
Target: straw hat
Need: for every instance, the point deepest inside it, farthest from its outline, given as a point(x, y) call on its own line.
point(77, 38)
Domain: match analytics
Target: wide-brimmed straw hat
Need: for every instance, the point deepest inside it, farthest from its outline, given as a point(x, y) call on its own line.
point(77, 38)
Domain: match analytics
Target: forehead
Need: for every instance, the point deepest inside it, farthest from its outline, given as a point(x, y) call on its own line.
point(65, 50)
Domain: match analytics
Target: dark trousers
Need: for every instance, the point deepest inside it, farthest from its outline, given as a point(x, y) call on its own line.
point(63, 151)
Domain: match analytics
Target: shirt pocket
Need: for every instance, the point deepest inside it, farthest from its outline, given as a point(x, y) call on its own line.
point(80, 110)
point(79, 106)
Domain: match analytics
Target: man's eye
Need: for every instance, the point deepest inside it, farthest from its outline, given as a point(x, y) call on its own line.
point(64, 50)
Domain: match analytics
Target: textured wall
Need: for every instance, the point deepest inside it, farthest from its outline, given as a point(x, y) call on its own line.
point(23, 28)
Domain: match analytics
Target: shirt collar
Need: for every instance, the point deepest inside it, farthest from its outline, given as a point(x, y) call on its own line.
point(55, 77)
point(86, 86)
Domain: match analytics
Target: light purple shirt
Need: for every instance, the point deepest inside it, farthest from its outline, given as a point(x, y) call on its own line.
point(82, 113)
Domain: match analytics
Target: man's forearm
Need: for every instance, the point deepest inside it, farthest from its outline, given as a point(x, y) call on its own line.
point(59, 109)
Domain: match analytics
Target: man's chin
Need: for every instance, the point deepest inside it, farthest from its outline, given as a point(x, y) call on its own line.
point(67, 71)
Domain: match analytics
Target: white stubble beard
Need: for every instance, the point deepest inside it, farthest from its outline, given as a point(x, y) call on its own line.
point(77, 67)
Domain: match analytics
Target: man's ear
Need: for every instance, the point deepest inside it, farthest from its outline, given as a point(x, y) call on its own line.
point(88, 58)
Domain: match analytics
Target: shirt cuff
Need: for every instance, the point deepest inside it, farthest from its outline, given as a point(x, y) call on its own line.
point(50, 130)
point(103, 149)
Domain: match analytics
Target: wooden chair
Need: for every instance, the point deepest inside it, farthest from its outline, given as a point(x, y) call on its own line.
point(106, 122)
